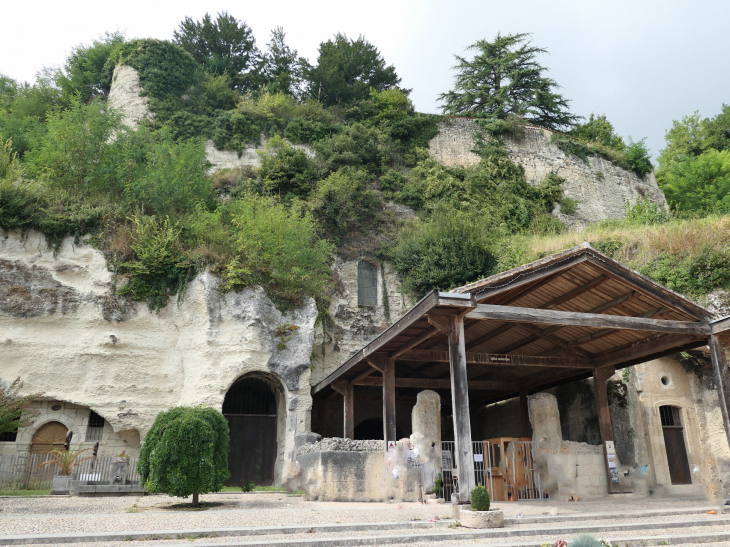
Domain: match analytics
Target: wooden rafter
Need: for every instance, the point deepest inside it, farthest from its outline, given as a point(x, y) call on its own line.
point(495, 359)
point(428, 383)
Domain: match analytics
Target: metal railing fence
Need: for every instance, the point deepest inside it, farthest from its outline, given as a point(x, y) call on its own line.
point(523, 482)
point(26, 471)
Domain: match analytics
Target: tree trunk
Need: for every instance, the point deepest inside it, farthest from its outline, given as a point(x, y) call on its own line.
point(195, 499)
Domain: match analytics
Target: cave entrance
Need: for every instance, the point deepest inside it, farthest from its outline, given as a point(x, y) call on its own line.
point(250, 407)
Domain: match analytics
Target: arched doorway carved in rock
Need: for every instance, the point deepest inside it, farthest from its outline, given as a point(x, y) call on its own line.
point(50, 436)
point(250, 406)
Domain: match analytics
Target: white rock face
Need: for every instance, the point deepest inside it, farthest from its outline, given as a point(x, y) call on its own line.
point(125, 96)
point(66, 334)
point(351, 326)
point(600, 188)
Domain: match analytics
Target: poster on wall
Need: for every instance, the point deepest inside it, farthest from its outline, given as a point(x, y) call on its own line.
point(612, 469)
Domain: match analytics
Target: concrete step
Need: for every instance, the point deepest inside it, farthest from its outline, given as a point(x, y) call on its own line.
point(421, 532)
point(567, 517)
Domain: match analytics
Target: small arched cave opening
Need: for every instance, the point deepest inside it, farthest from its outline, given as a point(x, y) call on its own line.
point(251, 407)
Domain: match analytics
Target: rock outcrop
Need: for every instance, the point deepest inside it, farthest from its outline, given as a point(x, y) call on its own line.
point(601, 188)
point(66, 334)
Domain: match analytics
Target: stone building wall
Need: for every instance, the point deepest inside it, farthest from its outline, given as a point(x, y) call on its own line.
point(600, 188)
point(66, 334)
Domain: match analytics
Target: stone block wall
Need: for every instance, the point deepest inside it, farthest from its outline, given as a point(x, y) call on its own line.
point(600, 188)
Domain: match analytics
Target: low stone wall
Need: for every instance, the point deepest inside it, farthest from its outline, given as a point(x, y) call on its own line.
point(336, 469)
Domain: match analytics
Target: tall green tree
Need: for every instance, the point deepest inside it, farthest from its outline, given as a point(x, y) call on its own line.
point(346, 70)
point(89, 69)
point(282, 66)
point(223, 46)
point(503, 78)
point(598, 129)
point(185, 453)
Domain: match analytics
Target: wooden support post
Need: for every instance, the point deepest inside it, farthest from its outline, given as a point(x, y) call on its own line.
point(460, 409)
point(346, 389)
point(600, 377)
point(349, 411)
point(525, 415)
point(389, 402)
point(722, 375)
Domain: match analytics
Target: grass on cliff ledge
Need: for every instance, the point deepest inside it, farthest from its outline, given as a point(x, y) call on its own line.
point(690, 256)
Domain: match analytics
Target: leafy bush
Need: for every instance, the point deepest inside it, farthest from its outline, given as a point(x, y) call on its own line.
point(391, 183)
point(344, 201)
point(357, 145)
point(286, 171)
point(10, 168)
point(166, 72)
point(75, 152)
point(599, 130)
point(637, 156)
point(644, 211)
point(449, 249)
point(161, 266)
point(700, 183)
point(697, 274)
point(273, 246)
point(185, 452)
point(479, 498)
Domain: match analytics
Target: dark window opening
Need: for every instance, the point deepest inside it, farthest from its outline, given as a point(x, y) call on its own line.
point(250, 396)
point(367, 284)
point(95, 430)
point(670, 416)
point(9, 436)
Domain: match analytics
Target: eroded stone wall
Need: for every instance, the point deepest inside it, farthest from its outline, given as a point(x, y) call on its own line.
point(65, 334)
point(350, 326)
point(600, 188)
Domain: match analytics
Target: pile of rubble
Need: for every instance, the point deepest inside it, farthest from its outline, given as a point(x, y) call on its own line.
point(337, 444)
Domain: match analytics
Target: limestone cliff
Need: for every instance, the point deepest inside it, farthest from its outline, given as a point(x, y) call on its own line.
point(66, 334)
point(600, 187)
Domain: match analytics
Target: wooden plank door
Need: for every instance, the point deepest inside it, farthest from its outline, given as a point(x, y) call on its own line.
point(677, 455)
point(253, 449)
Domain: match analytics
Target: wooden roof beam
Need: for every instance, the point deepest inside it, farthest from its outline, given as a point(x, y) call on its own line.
point(577, 319)
point(495, 359)
point(428, 383)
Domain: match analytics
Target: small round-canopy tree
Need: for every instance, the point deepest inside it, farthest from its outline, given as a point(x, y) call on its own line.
point(504, 78)
point(185, 452)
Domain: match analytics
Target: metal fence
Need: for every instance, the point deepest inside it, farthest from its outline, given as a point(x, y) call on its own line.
point(518, 464)
point(32, 471)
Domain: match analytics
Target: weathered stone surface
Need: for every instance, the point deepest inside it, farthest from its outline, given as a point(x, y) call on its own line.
point(349, 325)
point(601, 188)
point(125, 96)
point(545, 420)
point(130, 366)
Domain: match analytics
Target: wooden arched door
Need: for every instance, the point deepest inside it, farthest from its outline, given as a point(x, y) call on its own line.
point(50, 436)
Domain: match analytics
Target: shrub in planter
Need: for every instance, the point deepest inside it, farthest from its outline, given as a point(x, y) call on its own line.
point(479, 498)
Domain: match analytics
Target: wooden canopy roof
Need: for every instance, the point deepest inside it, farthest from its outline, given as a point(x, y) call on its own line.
point(549, 322)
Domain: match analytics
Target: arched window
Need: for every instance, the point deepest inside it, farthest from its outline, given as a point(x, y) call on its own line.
point(367, 284)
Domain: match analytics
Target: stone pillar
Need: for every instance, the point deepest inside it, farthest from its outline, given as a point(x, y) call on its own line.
point(545, 420)
point(426, 437)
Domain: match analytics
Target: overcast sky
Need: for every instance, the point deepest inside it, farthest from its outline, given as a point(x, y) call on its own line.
point(643, 63)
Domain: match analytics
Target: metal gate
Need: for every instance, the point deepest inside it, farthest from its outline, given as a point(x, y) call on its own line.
point(521, 480)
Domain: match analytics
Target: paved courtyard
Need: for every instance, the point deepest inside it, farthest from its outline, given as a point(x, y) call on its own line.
point(278, 519)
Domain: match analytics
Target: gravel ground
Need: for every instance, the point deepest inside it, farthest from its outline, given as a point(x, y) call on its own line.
point(55, 515)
